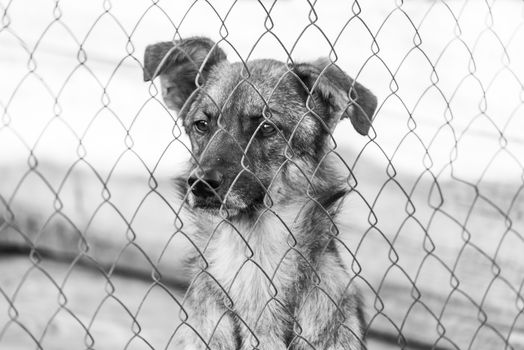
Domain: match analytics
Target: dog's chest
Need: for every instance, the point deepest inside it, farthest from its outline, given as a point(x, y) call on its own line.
point(254, 266)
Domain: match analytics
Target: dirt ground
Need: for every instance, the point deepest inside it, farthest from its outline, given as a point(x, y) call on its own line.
point(57, 306)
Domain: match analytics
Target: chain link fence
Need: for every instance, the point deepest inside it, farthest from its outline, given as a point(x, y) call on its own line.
point(93, 237)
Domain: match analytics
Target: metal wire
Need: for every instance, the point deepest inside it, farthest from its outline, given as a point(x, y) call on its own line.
point(437, 253)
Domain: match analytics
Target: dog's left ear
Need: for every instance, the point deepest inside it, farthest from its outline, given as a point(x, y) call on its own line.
point(180, 65)
point(343, 96)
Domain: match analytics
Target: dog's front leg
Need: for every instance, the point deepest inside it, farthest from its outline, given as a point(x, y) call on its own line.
point(266, 329)
point(264, 342)
point(323, 325)
point(209, 324)
point(329, 314)
point(213, 330)
point(206, 332)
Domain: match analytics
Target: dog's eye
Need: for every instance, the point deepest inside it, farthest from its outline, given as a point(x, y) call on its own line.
point(201, 126)
point(268, 129)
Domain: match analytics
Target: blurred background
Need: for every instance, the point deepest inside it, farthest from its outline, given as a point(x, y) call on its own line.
point(93, 240)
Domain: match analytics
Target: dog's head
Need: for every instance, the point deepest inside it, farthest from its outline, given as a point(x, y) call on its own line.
point(258, 130)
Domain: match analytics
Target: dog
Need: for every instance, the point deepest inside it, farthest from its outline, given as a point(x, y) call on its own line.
point(264, 195)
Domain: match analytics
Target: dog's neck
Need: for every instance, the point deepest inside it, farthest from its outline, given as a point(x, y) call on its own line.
point(285, 225)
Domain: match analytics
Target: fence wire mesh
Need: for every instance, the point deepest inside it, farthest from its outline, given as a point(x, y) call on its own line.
point(94, 238)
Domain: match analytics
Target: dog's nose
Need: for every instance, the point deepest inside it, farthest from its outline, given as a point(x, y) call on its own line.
point(205, 183)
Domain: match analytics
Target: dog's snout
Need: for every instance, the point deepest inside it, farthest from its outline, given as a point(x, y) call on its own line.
point(205, 183)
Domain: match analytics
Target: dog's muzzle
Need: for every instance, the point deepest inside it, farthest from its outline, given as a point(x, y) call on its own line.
point(205, 183)
point(210, 191)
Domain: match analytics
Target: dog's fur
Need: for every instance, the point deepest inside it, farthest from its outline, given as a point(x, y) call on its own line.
point(268, 274)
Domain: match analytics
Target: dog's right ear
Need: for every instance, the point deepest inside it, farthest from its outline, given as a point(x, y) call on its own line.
point(344, 97)
point(180, 65)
